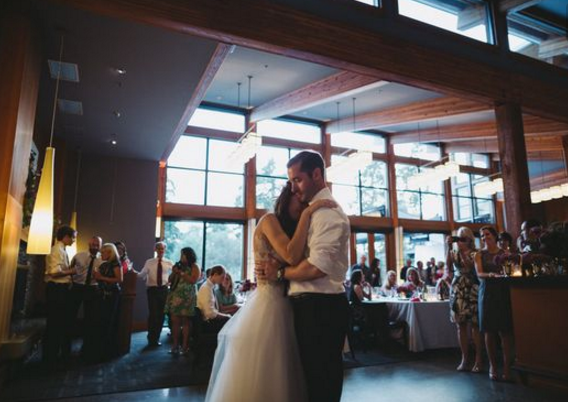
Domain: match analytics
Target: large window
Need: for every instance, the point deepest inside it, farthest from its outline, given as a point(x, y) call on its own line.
point(467, 159)
point(426, 203)
point(290, 130)
point(271, 174)
point(423, 246)
point(418, 150)
point(214, 243)
point(468, 207)
point(365, 193)
point(359, 141)
point(465, 17)
point(199, 173)
point(218, 119)
point(364, 248)
point(539, 32)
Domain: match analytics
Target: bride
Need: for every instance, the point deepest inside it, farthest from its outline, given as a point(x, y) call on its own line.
point(257, 356)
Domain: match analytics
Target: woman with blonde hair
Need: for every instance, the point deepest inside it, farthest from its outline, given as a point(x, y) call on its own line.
point(109, 278)
point(463, 295)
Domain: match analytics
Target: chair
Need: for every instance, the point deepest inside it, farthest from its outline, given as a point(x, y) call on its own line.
point(204, 336)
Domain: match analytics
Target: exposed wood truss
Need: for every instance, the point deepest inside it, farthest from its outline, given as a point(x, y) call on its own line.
point(534, 144)
point(430, 109)
point(325, 90)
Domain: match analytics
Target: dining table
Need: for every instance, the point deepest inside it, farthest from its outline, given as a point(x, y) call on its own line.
point(429, 325)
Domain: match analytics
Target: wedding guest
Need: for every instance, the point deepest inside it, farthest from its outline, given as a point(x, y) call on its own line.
point(125, 262)
point(207, 302)
point(360, 289)
point(528, 241)
point(390, 288)
point(361, 266)
point(422, 273)
point(84, 292)
point(431, 267)
point(226, 297)
point(156, 272)
point(57, 342)
point(495, 317)
point(439, 271)
point(404, 270)
point(464, 295)
point(109, 277)
point(413, 282)
point(374, 274)
point(443, 287)
point(505, 242)
point(182, 298)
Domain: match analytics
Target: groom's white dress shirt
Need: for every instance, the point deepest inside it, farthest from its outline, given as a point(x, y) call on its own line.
point(327, 249)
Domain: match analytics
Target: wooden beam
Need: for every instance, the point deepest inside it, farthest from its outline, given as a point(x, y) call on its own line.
point(325, 90)
point(430, 109)
point(186, 211)
point(369, 223)
point(533, 144)
point(553, 47)
point(547, 156)
point(549, 179)
point(514, 167)
point(534, 126)
point(385, 51)
point(512, 6)
point(215, 62)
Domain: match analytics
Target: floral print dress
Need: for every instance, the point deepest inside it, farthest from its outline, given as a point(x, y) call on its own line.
point(464, 291)
point(182, 298)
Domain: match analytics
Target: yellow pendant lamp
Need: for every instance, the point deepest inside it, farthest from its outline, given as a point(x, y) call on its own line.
point(41, 227)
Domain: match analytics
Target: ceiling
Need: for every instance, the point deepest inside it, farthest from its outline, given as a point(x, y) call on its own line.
point(163, 69)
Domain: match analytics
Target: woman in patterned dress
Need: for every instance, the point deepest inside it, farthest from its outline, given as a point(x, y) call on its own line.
point(463, 295)
point(182, 297)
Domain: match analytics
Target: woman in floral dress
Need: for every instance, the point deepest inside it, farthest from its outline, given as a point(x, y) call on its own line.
point(182, 298)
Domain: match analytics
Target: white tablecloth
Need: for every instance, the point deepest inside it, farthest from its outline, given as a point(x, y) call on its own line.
point(429, 325)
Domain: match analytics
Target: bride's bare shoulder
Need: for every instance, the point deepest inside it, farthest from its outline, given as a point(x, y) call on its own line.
point(267, 219)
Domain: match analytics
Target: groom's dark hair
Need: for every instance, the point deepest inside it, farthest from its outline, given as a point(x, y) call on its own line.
point(309, 161)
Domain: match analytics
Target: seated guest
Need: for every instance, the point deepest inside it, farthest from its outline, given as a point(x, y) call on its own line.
point(207, 302)
point(109, 278)
point(443, 286)
point(440, 269)
point(360, 289)
point(226, 298)
point(390, 288)
point(422, 273)
point(125, 262)
point(412, 283)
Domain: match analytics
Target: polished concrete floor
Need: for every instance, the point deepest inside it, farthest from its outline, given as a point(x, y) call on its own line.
point(433, 379)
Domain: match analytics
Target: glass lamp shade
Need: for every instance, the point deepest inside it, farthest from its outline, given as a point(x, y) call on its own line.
point(41, 227)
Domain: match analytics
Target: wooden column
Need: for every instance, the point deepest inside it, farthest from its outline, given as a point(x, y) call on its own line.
point(514, 168)
point(565, 152)
point(448, 196)
point(19, 80)
point(391, 239)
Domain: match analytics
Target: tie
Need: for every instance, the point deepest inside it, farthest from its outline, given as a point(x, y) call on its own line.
point(90, 271)
point(159, 278)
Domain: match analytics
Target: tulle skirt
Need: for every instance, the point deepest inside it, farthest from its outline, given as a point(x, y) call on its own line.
point(257, 356)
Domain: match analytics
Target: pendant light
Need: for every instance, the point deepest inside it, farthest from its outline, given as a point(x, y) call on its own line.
point(41, 227)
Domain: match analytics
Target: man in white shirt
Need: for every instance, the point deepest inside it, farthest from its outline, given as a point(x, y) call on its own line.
point(317, 294)
point(84, 291)
point(207, 302)
point(156, 272)
point(57, 342)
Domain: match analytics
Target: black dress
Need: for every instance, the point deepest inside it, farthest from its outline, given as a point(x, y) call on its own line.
point(109, 299)
point(494, 300)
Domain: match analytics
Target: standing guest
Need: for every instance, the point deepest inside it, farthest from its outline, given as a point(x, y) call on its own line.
point(226, 297)
point(156, 272)
point(422, 273)
point(182, 298)
point(529, 241)
point(125, 262)
point(84, 292)
point(403, 270)
point(431, 268)
point(362, 266)
point(505, 242)
point(439, 272)
point(464, 295)
point(374, 275)
point(390, 287)
point(207, 302)
point(57, 342)
point(495, 315)
point(109, 277)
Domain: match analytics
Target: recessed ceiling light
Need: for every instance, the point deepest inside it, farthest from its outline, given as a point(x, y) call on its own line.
point(121, 71)
point(113, 142)
point(116, 113)
point(219, 97)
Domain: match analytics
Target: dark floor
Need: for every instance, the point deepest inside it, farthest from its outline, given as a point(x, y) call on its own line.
point(385, 374)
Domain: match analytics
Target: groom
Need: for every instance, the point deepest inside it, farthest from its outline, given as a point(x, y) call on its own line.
point(316, 284)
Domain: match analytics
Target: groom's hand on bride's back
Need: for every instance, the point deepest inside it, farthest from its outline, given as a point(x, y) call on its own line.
point(267, 270)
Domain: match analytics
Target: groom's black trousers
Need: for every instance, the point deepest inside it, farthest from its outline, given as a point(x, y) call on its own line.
point(321, 322)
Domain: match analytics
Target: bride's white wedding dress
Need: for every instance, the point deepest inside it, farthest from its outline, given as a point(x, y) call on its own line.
point(257, 356)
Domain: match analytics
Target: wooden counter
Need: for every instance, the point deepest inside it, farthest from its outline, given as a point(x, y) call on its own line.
point(540, 320)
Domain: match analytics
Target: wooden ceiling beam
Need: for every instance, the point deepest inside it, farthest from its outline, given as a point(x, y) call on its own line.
point(548, 179)
point(533, 126)
point(533, 144)
point(430, 109)
point(215, 62)
point(512, 6)
point(328, 89)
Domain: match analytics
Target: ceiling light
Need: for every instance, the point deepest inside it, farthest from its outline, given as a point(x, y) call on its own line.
point(120, 71)
point(113, 142)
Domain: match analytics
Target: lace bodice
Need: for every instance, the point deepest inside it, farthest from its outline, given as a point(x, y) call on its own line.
point(262, 251)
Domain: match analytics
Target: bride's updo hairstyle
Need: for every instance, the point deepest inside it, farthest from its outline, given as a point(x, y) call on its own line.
point(282, 210)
